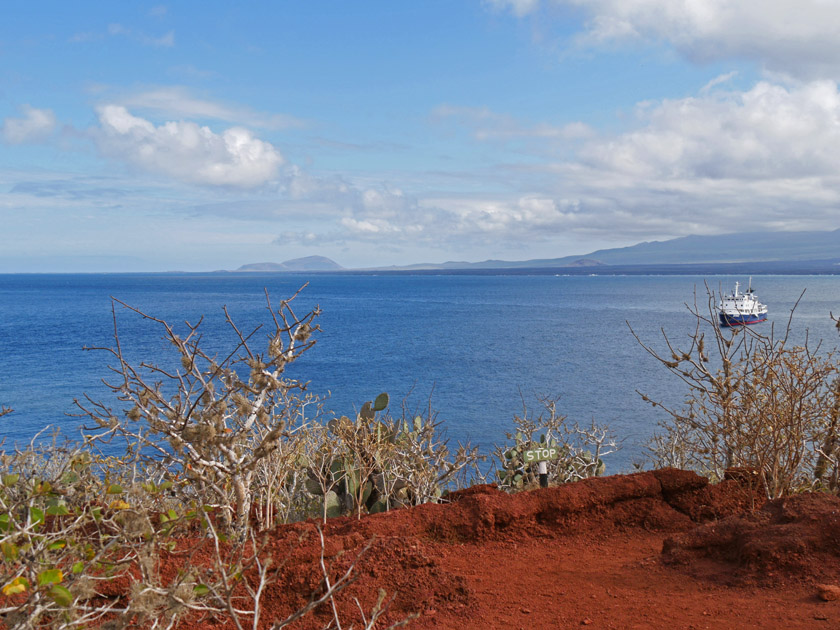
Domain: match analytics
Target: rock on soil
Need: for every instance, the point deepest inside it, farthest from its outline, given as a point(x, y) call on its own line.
point(794, 538)
point(828, 592)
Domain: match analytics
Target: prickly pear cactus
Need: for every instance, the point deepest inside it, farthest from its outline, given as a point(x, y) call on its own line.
point(351, 477)
point(516, 473)
point(572, 464)
point(374, 463)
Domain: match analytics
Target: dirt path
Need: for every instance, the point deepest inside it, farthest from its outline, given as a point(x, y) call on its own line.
point(618, 582)
point(652, 550)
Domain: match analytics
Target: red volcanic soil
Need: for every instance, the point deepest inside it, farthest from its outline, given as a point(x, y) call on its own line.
point(659, 549)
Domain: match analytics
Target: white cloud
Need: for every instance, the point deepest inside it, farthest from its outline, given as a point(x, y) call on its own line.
point(391, 217)
point(526, 218)
point(800, 38)
point(88, 36)
point(719, 161)
point(186, 151)
point(718, 80)
point(519, 7)
point(35, 125)
point(367, 226)
point(722, 162)
point(179, 102)
point(768, 132)
point(488, 125)
point(117, 29)
point(167, 40)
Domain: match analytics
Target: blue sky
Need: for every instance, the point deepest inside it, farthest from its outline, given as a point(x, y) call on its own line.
point(199, 136)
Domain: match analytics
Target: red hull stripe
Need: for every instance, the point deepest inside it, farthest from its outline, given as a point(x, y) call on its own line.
point(730, 322)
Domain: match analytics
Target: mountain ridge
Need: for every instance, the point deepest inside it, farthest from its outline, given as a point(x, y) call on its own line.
point(725, 249)
point(307, 263)
point(739, 247)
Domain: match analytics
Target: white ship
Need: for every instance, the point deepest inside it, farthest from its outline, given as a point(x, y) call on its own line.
point(740, 309)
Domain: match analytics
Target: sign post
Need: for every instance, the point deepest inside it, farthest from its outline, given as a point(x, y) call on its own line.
point(541, 456)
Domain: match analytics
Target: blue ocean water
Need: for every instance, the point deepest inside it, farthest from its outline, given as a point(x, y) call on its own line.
point(478, 346)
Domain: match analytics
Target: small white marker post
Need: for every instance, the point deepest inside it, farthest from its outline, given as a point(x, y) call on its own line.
point(541, 456)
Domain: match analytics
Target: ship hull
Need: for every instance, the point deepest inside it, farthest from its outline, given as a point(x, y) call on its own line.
point(741, 319)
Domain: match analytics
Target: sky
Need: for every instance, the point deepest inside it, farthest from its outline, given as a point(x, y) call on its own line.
point(199, 136)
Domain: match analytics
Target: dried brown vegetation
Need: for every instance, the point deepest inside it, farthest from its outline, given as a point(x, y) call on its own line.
point(217, 449)
point(754, 401)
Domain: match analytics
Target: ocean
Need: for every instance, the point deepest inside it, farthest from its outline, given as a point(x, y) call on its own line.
point(478, 348)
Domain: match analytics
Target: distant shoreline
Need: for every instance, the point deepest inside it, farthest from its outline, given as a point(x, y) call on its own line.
point(810, 267)
point(831, 267)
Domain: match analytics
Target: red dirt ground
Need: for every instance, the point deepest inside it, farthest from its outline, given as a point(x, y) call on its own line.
point(659, 549)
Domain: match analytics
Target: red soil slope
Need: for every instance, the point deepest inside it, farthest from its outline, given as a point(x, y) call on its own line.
point(652, 550)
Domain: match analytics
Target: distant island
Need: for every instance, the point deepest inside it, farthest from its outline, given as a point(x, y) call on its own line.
point(308, 263)
point(746, 252)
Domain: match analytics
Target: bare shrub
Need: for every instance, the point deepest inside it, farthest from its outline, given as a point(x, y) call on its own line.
point(164, 531)
point(753, 401)
point(422, 467)
point(210, 419)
